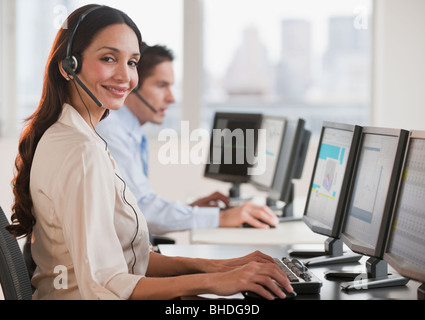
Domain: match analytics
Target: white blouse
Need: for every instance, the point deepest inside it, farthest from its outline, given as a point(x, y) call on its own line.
point(89, 231)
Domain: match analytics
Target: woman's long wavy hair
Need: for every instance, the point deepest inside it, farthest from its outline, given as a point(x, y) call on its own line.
point(55, 93)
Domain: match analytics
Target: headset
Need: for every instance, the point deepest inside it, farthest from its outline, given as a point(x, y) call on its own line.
point(72, 62)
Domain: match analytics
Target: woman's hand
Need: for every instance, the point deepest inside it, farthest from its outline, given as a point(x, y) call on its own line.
point(230, 264)
point(224, 265)
point(171, 277)
point(262, 278)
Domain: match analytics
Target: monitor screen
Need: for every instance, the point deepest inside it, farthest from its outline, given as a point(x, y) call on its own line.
point(233, 144)
point(274, 128)
point(374, 185)
point(406, 245)
point(291, 160)
point(331, 176)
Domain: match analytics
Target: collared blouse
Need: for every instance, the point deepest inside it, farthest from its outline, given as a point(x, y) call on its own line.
point(90, 240)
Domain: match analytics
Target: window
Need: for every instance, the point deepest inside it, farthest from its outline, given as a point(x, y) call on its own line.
point(308, 59)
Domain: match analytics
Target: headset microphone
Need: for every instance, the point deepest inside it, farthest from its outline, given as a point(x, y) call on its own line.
point(147, 104)
point(72, 63)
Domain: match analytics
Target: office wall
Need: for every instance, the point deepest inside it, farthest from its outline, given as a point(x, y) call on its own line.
point(8, 152)
point(398, 98)
point(8, 76)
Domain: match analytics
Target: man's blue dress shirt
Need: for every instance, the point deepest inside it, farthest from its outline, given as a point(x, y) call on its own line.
point(128, 145)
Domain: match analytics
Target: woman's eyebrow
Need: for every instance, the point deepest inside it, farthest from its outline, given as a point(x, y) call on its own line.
point(116, 50)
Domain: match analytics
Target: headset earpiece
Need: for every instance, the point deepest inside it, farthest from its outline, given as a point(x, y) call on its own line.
point(72, 63)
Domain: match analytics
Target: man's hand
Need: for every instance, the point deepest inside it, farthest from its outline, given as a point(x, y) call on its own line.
point(213, 200)
point(257, 216)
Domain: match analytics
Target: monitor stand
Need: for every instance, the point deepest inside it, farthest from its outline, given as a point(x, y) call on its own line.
point(333, 253)
point(287, 212)
point(235, 197)
point(376, 276)
point(235, 191)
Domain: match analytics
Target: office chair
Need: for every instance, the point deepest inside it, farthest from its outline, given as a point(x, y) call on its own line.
point(156, 240)
point(14, 278)
point(28, 257)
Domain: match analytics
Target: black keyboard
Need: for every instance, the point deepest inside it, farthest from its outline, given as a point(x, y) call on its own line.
point(302, 280)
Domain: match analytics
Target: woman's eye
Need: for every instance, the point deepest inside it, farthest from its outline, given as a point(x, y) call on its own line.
point(133, 63)
point(108, 59)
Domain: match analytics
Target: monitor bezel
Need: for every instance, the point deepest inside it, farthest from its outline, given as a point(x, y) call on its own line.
point(357, 245)
point(261, 186)
point(222, 176)
point(280, 191)
point(302, 150)
point(319, 227)
point(403, 267)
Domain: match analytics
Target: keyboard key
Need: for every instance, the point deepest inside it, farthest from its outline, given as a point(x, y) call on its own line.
point(302, 280)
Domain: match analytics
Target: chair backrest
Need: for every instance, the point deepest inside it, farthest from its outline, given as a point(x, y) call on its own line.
point(14, 278)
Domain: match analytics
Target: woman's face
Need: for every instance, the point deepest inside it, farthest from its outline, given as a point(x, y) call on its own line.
point(109, 65)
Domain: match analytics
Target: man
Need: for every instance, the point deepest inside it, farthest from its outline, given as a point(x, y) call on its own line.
point(123, 132)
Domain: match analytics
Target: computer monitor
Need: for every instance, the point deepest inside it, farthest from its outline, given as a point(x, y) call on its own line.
point(371, 199)
point(274, 128)
point(327, 196)
point(405, 250)
point(290, 166)
point(232, 149)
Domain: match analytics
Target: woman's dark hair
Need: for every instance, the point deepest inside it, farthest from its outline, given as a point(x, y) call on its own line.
point(152, 56)
point(54, 94)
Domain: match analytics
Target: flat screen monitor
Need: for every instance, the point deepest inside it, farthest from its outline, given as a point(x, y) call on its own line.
point(328, 192)
point(233, 147)
point(405, 251)
point(373, 192)
point(290, 164)
point(371, 198)
point(331, 177)
point(274, 129)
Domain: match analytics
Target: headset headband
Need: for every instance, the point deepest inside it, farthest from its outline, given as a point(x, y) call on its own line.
point(71, 39)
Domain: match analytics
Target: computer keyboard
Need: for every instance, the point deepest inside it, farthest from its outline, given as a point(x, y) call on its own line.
point(302, 280)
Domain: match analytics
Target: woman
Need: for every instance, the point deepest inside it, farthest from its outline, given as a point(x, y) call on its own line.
point(90, 240)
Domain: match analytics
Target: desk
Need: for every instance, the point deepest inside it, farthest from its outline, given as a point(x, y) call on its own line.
point(330, 289)
point(285, 233)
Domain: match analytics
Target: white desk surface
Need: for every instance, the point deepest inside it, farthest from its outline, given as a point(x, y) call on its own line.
point(289, 232)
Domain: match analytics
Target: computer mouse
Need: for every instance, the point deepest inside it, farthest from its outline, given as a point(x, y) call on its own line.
point(249, 295)
point(247, 225)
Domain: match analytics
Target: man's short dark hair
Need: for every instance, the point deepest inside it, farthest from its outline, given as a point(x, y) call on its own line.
point(152, 56)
